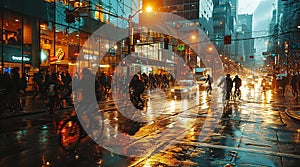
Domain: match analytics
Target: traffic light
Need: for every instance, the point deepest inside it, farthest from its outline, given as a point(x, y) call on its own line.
point(70, 16)
point(227, 39)
point(166, 43)
point(286, 46)
point(136, 37)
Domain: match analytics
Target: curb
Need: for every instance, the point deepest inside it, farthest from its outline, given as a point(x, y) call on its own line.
point(18, 114)
point(292, 115)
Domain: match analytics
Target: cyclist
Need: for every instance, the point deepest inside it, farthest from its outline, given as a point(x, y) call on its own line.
point(237, 84)
point(263, 84)
point(209, 80)
point(137, 87)
point(227, 86)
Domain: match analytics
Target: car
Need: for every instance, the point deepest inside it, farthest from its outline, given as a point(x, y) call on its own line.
point(185, 89)
point(250, 82)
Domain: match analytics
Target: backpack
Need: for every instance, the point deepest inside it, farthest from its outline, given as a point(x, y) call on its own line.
point(238, 82)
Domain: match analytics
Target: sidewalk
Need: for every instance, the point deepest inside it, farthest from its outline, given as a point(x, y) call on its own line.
point(293, 109)
point(30, 106)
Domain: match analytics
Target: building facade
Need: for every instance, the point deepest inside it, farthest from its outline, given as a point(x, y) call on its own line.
point(222, 26)
point(198, 15)
point(244, 27)
point(37, 34)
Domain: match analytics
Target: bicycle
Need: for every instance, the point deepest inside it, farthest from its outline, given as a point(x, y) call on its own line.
point(71, 131)
point(227, 96)
point(208, 89)
point(237, 94)
point(138, 103)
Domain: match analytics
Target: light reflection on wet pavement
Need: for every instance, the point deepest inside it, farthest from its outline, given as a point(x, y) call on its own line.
point(255, 132)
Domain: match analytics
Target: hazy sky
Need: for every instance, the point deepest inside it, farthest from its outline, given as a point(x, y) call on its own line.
point(261, 10)
point(262, 13)
point(246, 6)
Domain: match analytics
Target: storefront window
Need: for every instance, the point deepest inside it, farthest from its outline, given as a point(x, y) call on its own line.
point(12, 41)
point(46, 43)
point(1, 42)
point(59, 61)
point(74, 48)
point(1, 36)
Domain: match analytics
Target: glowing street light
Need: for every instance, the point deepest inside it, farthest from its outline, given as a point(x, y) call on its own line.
point(149, 9)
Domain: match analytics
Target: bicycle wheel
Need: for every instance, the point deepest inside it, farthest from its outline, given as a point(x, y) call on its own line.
point(70, 134)
point(239, 95)
point(97, 126)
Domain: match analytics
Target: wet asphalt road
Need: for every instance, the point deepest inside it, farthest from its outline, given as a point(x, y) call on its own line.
point(255, 131)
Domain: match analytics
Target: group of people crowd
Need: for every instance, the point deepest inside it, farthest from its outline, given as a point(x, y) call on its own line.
point(279, 84)
point(54, 86)
point(11, 87)
point(140, 82)
point(293, 80)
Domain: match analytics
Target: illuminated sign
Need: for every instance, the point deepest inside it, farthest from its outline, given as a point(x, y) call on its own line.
point(14, 54)
point(59, 54)
point(89, 57)
point(181, 47)
point(91, 52)
point(18, 58)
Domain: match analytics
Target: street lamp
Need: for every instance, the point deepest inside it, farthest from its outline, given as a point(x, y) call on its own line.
point(131, 28)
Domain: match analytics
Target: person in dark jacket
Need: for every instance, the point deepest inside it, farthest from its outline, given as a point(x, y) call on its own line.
point(294, 85)
point(137, 87)
point(282, 83)
point(227, 86)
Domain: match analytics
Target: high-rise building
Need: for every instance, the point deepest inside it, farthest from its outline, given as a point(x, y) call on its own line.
point(223, 26)
point(288, 17)
point(198, 15)
point(244, 27)
point(199, 12)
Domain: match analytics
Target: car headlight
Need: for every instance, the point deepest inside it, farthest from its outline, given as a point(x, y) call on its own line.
point(172, 90)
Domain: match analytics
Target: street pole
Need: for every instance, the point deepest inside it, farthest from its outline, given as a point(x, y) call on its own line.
point(130, 33)
point(131, 29)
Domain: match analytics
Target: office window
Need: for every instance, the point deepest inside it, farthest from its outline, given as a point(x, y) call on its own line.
point(187, 15)
point(187, 7)
point(180, 1)
point(194, 15)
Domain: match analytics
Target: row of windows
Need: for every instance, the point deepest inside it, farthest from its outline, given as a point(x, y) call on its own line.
point(189, 15)
point(193, 7)
point(175, 2)
point(93, 8)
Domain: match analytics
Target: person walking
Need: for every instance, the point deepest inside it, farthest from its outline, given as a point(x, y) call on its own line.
point(282, 84)
point(294, 85)
point(209, 80)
